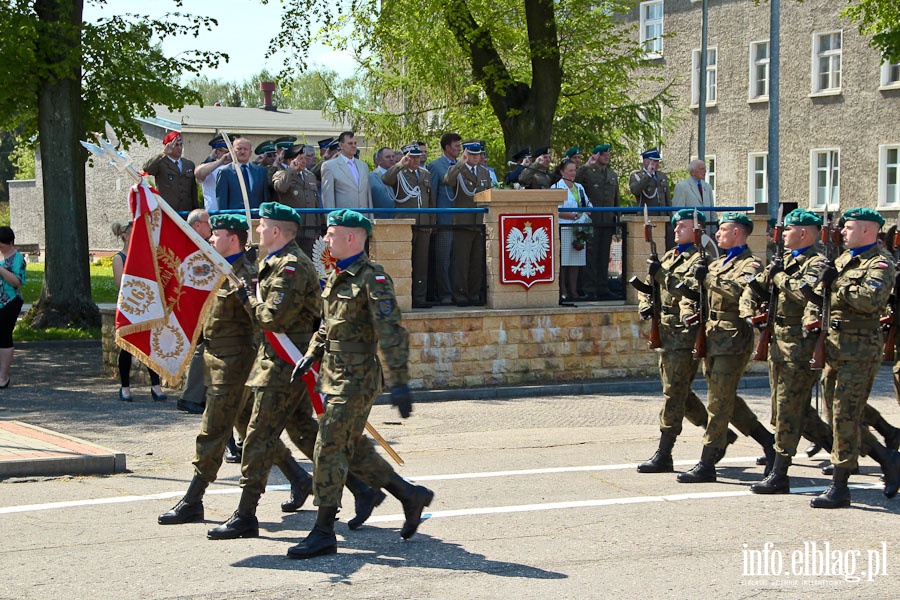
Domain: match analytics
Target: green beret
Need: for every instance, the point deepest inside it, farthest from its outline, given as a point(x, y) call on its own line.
point(574, 150)
point(863, 214)
point(232, 222)
point(736, 217)
point(687, 214)
point(802, 217)
point(601, 148)
point(278, 212)
point(349, 218)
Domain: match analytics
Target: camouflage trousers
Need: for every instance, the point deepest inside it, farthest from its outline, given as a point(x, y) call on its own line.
point(792, 412)
point(723, 374)
point(342, 447)
point(864, 439)
point(847, 386)
point(677, 369)
point(275, 409)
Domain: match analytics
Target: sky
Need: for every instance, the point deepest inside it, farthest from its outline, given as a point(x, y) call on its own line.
point(244, 30)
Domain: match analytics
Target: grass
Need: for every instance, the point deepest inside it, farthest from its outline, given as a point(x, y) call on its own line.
point(103, 290)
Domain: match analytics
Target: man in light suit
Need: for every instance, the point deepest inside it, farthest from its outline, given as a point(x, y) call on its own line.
point(345, 179)
point(694, 190)
point(228, 189)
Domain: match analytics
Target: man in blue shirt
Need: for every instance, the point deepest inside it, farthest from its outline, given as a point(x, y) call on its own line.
point(451, 145)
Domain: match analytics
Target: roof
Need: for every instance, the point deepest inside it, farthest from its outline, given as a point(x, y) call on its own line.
point(247, 121)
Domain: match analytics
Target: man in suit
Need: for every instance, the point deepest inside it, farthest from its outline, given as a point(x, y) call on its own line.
point(694, 190)
point(174, 175)
point(382, 195)
point(345, 179)
point(228, 189)
point(451, 146)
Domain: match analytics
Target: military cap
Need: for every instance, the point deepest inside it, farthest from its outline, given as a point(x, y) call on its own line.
point(285, 141)
point(739, 218)
point(573, 151)
point(801, 217)
point(325, 143)
point(411, 149)
point(292, 151)
point(541, 151)
point(522, 154)
point(473, 147)
point(219, 141)
point(266, 146)
point(233, 222)
point(601, 148)
point(171, 136)
point(863, 214)
point(349, 218)
point(278, 212)
point(334, 145)
point(687, 214)
point(652, 154)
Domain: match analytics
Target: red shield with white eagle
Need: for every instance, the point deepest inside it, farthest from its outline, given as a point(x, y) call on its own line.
point(526, 249)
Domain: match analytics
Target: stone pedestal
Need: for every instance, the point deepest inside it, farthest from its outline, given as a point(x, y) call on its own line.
point(518, 202)
point(391, 247)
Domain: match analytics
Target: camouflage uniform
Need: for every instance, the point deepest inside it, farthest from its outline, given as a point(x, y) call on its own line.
point(854, 350)
point(300, 189)
point(729, 343)
point(790, 378)
point(291, 305)
point(360, 314)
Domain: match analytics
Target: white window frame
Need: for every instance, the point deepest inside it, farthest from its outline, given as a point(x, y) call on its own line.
point(832, 191)
point(711, 165)
point(712, 76)
point(834, 58)
point(886, 198)
point(890, 75)
point(755, 64)
point(653, 45)
point(752, 173)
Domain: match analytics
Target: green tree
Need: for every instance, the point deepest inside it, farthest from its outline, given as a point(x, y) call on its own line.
point(513, 72)
point(63, 78)
point(881, 20)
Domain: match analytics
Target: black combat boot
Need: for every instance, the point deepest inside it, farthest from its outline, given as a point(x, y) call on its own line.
point(829, 470)
point(301, 484)
point(414, 499)
point(233, 452)
point(321, 540)
point(704, 471)
point(813, 449)
point(189, 508)
point(365, 500)
point(243, 523)
point(890, 433)
point(661, 461)
point(890, 466)
point(730, 438)
point(778, 481)
point(838, 495)
point(766, 439)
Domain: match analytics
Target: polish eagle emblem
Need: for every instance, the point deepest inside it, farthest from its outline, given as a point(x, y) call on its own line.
point(528, 249)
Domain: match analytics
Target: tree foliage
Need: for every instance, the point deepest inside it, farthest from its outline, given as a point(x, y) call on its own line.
point(881, 20)
point(512, 72)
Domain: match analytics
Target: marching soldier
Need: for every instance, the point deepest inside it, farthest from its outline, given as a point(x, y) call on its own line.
point(859, 284)
point(412, 189)
point(790, 377)
point(360, 315)
point(677, 366)
point(729, 344)
point(297, 187)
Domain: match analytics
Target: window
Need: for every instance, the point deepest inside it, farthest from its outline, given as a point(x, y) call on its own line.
point(890, 74)
point(711, 175)
point(652, 28)
point(825, 178)
point(888, 171)
point(826, 68)
point(758, 178)
point(759, 70)
point(711, 71)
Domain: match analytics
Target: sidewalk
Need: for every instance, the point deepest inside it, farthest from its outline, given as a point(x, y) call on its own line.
point(31, 450)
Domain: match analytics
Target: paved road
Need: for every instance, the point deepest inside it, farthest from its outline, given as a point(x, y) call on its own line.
point(535, 498)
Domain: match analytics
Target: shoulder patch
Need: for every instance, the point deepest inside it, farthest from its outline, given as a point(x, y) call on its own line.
point(290, 269)
point(875, 284)
point(756, 264)
point(881, 265)
point(277, 297)
point(380, 278)
point(385, 307)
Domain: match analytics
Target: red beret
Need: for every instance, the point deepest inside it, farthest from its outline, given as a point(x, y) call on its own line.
point(171, 136)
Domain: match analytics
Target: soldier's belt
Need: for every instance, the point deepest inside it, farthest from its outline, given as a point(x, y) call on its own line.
point(228, 342)
point(855, 325)
point(724, 315)
point(784, 321)
point(356, 347)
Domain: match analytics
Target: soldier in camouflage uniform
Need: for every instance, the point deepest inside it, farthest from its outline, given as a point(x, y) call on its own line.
point(790, 378)
point(859, 284)
point(360, 314)
point(229, 349)
point(677, 365)
point(729, 345)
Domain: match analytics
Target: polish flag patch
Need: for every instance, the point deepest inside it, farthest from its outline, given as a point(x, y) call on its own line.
point(290, 269)
point(380, 278)
point(882, 265)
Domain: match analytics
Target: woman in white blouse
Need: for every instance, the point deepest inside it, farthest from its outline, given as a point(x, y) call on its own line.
point(572, 252)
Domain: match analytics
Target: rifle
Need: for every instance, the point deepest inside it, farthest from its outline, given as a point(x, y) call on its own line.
point(829, 231)
point(700, 341)
point(893, 320)
point(651, 290)
point(767, 319)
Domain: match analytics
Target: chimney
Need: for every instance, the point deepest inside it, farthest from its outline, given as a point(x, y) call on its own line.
point(267, 87)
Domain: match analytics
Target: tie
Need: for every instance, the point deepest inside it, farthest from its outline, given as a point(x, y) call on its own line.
point(180, 170)
point(246, 171)
point(700, 189)
point(353, 170)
